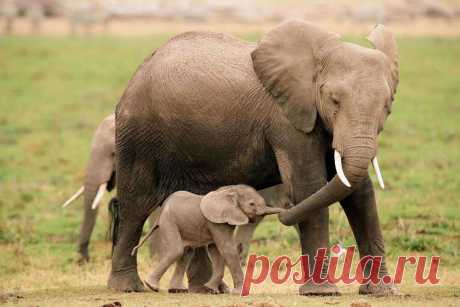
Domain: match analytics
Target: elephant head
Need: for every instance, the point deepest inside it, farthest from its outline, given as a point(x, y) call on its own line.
point(100, 170)
point(235, 205)
point(317, 79)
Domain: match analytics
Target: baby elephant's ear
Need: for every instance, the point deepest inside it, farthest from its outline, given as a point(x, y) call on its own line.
point(222, 207)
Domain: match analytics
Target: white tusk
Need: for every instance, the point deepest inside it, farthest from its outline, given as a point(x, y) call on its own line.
point(100, 193)
point(375, 164)
point(74, 197)
point(339, 169)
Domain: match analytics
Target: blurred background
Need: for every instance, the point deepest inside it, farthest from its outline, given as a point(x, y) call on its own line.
point(137, 17)
point(64, 65)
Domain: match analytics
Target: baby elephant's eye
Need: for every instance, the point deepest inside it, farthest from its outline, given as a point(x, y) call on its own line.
point(252, 204)
point(335, 101)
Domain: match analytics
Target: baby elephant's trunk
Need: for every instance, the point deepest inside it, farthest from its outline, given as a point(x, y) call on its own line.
point(269, 210)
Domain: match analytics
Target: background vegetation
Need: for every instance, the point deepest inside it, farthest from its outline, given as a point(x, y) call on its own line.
point(55, 91)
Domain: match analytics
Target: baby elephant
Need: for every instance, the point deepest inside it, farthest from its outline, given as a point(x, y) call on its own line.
point(188, 221)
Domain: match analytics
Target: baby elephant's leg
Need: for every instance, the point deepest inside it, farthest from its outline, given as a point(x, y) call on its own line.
point(176, 285)
point(218, 267)
point(173, 249)
point(223, 238)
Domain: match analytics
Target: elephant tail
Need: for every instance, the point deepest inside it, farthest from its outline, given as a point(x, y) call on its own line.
point(133, 252)
point(114, 207)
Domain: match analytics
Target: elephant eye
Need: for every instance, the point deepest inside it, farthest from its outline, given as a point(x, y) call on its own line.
point(252, 204)
point(335, 101)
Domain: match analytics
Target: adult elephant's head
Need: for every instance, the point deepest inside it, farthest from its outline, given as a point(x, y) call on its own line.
point(312, 73)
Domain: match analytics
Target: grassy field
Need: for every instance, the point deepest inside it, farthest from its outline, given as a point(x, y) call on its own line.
point(54, 92)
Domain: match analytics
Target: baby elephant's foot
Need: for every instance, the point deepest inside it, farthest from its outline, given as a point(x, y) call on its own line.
point(152, 284)
point(210, 289)
point(223, 288)
point(177, 290)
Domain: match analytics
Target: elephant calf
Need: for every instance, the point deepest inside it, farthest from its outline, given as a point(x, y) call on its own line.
point(189, 220)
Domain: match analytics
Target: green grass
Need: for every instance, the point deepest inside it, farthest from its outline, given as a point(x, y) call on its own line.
point(55, 91)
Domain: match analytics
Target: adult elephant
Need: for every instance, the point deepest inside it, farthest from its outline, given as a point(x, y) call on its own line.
point(207, 110)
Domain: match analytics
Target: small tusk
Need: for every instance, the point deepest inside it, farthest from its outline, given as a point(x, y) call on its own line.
point(74, 197)
point(100, 192)
point(375, 164)
point(339, 169)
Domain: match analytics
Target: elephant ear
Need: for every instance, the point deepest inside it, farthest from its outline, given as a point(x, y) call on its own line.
point(384, 40)
point(285, 64)
point(222, 207)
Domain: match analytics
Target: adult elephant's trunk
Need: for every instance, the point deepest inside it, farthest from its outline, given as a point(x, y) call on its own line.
point(350, 172)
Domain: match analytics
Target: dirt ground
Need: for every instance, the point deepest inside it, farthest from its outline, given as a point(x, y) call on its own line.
point(60, 27)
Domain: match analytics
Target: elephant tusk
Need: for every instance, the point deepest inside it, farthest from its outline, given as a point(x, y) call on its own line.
point(375, 164)
point(74, 197)
point(339, 169)
point(100, 192)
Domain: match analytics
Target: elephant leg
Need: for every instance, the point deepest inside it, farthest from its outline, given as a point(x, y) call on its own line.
point(229, 252)
point(176, 285)
point(124, 275)
point(154, 237)
point(361, 211)
point(137, 197)
point(174, 250)
point(314, 234)
point(218, 268)
point(243, 236)
point(302, 165)
point(199, 271)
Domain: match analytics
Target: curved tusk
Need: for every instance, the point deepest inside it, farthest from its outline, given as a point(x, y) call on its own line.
point(339, 169)
point(375, 164)
point(100, 192)
point(74, 197)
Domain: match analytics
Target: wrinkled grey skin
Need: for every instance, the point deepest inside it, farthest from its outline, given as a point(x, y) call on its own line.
point(189, 220)
point(209, 110)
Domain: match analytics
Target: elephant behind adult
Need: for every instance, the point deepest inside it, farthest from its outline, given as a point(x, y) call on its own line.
point(99, 177)
point(207, 110)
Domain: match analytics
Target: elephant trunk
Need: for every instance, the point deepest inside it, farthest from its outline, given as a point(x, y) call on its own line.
point(355, 163)
point(89, 217)
point(270, 210)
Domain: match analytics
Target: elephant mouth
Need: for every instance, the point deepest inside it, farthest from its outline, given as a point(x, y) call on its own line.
point(351, 169)
point(343, 178)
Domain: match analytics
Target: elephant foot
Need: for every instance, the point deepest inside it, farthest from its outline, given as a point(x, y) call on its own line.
point(177, 290)
point(379, 289)
point(326, 289)
point(223, 288)
point(209, 290)
point(82, 254)
point(151, 286)
point(197, 289)
point(82, 259)
point(126, 282)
